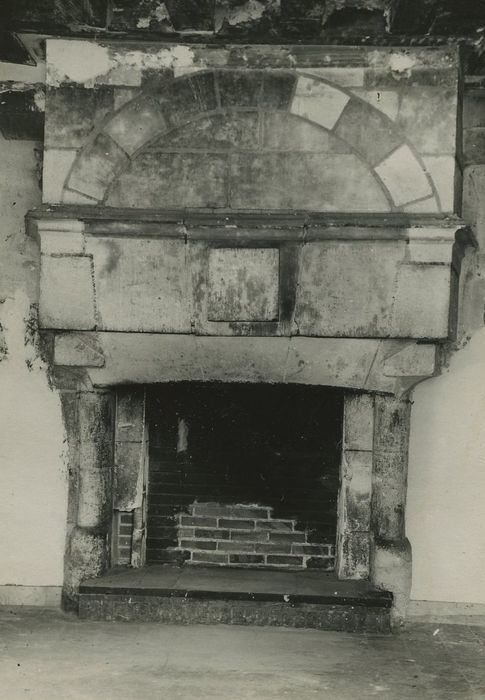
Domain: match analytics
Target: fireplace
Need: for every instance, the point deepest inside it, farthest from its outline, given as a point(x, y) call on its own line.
point(244, 475)
point(235, 242)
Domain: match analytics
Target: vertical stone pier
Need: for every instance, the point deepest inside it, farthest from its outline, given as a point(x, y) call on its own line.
point(89, 425)
point(390, 565)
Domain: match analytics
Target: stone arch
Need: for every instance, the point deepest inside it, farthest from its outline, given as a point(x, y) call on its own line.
point(388, 155)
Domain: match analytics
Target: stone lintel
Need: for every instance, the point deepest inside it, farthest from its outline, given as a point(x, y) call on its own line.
point(144, 358)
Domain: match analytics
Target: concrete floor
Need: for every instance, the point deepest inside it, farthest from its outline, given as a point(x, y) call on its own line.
point(46, 655)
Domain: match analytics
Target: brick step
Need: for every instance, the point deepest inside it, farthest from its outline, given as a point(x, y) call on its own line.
point(162, 594)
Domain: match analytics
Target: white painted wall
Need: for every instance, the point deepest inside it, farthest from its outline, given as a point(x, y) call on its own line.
point(446, 492)
point(33, 483)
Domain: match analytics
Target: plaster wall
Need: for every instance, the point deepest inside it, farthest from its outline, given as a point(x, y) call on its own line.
point(446, 487)
point(32, 466)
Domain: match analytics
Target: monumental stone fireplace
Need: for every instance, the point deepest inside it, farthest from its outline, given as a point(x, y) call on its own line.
point(250, 256)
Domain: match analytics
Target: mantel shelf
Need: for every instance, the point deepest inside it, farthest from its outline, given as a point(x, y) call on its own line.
point(279, 225)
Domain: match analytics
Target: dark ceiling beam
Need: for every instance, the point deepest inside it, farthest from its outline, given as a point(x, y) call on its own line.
point(299, 18)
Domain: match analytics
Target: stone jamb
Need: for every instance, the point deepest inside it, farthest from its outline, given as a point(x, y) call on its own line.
point(354, 512)
point(89, 425)
point(130, 470)
point(390, 563)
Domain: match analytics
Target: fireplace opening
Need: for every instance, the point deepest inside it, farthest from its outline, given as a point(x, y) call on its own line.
point(244, 475)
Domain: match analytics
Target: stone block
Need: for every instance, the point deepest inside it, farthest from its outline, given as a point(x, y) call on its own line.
point(391, 425)
point(386, 101)
point(229, 131)
point(94, 505)
point(96, 167)
point(330, 362)
point(353, 555)
point(358, 422)
point(78, 350)
point(71, 379)
point(343, 616)
point(411, 361)
point(318, 102)
point(304, 181)
point(130, 414)
point(357, 305)
point(348, 76)
point(277, 90)
point(137, 123)
point(141, 284)
point(403, 176)
point(442, 170)
point(358, 121)
point(389, 495)
point(188, 97)
point(88, 556)
point(428, 118)
point(243, 284)
point(473, 201)
point(474, 146)
point(172, 180)
point(123, 95)
point(73, 112)
point(474, 109)
point(391, 570)
point(357, 486)
point(56, 168)
point(285, 132)
point(66, 293)
point(61, 242)
point(429, 251)
point(422, 302)
point(96, 424)
point(129, 467)
point(242, 88)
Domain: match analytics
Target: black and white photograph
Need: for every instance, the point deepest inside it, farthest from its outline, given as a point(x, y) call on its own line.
point(242, 349)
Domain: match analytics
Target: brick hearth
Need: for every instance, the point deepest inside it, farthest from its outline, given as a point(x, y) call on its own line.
point(245, 535)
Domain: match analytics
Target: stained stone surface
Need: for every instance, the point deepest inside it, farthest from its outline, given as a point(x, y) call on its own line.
point(162, 148)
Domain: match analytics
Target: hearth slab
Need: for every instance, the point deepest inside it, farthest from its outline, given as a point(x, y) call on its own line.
point(188, 595)
point(237, 584)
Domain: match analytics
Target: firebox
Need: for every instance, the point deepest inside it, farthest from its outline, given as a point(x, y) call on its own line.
point(244, 475)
